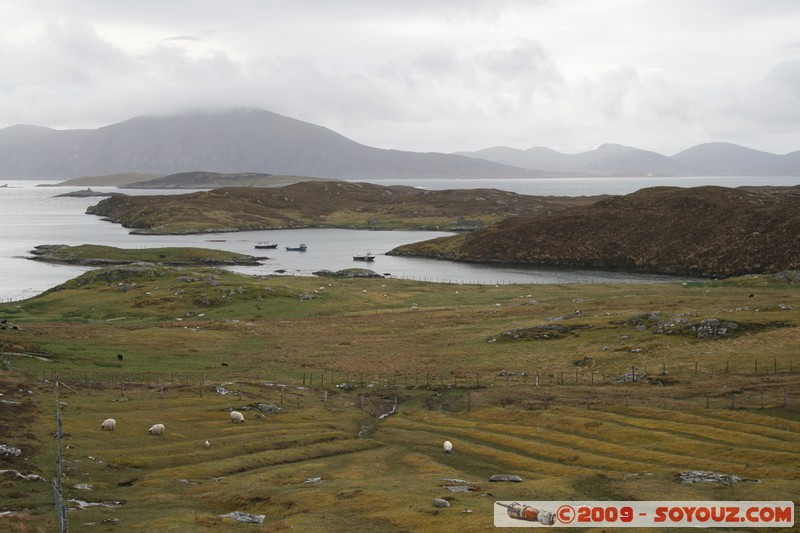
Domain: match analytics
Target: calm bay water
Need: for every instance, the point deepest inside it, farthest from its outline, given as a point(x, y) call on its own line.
point(31, 215)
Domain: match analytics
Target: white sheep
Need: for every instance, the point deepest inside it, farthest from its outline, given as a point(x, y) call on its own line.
point(156, 429)
point(108, 424)
point(207, 443)
point(237, 417)
point(447, 446)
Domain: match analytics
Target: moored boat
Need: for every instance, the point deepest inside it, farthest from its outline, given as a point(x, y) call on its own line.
point(266, 246)
point(366, 257)
point(300, 248)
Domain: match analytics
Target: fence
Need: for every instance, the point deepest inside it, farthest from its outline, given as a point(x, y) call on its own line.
point(776, 386)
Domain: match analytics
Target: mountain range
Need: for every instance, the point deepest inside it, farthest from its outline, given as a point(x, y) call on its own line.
point(251, 140)
point(710, 159)
point(240, 140)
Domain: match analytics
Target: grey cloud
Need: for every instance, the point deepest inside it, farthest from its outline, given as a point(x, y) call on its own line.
point(183, 38)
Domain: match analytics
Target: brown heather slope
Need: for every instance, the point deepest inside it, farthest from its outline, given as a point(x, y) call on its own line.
point(705, 231)
point(324, 204)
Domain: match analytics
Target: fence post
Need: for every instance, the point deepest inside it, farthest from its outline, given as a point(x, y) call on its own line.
point(61, 508)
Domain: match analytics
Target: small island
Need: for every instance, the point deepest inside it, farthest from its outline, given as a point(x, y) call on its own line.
point(88, 193)
point(93, 255)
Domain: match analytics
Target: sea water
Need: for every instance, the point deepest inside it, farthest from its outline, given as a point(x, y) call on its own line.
point(31, 215)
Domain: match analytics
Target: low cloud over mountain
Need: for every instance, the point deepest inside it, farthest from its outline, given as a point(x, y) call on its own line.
point(244, 140)
point(231, 141)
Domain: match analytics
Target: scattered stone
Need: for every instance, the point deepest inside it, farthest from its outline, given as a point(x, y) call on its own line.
point(348, 273)
point(586, 361)
point(7, 450)
point(439, 502)
point(82, 504)
point(707, 476)
point(459, 485)
point(247, 518)
point(543, 332)
point(269, 408)
point(460, 488)
point(513, 478)
point(313, 480)
point(26, 477)
point(633, 375)
point(83, 486)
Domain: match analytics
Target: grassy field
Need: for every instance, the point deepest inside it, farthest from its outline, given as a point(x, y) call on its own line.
point(94, 254)
point(521, 378)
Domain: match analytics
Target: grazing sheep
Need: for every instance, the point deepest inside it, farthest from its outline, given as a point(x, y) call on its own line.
point(237, 417)
point(207, 443)
point(156, 429)
point(108, 424)
point(447, 446)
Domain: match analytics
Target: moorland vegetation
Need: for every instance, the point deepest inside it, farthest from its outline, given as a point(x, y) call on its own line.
point(350, 386)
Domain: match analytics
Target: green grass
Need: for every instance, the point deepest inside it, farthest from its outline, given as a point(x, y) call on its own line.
point(165, 255)
point(288, 341)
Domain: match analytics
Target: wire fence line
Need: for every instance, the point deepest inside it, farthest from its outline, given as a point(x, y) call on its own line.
point(454, 391)
point(576, 375)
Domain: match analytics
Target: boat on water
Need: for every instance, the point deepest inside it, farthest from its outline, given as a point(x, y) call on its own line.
point(266, 246)
point(300, 248)
point(366, 257)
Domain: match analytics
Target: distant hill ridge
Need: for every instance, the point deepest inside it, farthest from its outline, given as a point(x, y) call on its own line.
point(251, 140)
point(241, 140)
point(704, 231)
point(710, 159)
point(322, 204)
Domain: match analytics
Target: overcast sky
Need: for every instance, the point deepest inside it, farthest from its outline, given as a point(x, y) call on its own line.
point(421, 75)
